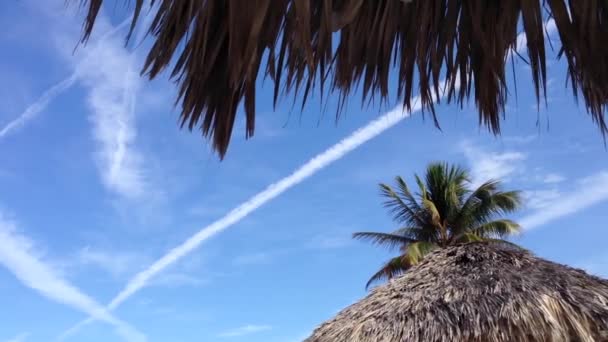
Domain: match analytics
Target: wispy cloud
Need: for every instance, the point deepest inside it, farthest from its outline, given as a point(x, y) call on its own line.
point(109, 75)
point(538, 199)
point(245, 330)
point(258, 258)
point(590, 191)
point(38, 106)
point(19, 338)
point(490, 165)
point(114, 262)
point(18, 257)
point(553, 178)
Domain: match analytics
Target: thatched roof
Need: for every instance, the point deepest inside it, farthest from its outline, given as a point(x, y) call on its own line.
point(217, 47)
point(478, 292)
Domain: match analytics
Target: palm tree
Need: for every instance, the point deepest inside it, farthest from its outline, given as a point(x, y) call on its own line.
point(443, 212)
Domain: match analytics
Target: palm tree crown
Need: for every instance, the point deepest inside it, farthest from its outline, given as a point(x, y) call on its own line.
point(443, 212)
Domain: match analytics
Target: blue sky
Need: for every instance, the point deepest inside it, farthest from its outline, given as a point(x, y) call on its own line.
point(98, 183)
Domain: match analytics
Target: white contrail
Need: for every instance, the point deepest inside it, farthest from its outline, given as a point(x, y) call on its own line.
point(337, 151)
point(39, 105)
point(17, 255)
point(317, 163)
point(50, 94)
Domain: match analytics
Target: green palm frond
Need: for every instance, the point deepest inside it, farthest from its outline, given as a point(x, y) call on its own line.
point(402, 211)
point(388, 240)
point(506, 243)
point(416, 251)
point(446, 186)
point(466, 214)
point(497, 228)
point(434, 214)
point(394, 267)
point(486, 203)
point(468, 237)
point(425, 233)
point(508, 201)
point(494, 205)
point(485, 190)
point(472, 237)
point(423, 193)
point(406, 194)
point(442, 176)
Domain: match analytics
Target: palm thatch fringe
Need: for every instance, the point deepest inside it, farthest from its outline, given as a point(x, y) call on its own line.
point(217, 47)
point(478, 292)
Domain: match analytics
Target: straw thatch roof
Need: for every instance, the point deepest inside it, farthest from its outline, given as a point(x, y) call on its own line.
point(478, 292)
point(219, 46)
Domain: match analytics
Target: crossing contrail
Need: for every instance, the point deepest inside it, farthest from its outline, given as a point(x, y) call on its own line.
point(317, 163)
point(337, 151)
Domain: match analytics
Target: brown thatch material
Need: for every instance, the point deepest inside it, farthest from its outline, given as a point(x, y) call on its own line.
point(218, 45)
point(478, 292)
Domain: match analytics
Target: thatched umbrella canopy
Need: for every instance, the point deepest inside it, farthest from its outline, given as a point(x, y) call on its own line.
point(478, 292)
point(331, 46)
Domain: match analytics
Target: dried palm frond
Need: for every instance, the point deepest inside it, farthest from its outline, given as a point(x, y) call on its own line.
point(217, 48)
